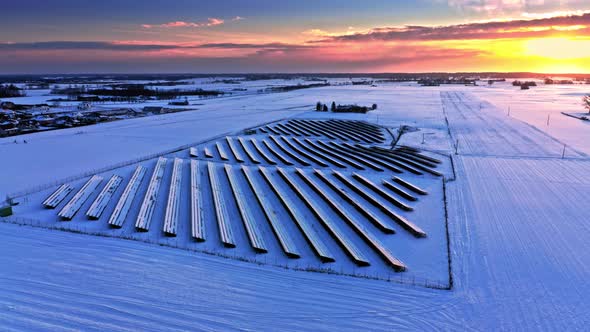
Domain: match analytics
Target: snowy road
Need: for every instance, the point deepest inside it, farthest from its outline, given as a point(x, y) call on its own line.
point(521, 250)
point(486, 132)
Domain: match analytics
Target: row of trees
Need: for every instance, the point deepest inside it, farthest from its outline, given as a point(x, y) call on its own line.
point(10, 90)
point(129, 91)
point(344, 108)
point(324, 108)
point(287, 88)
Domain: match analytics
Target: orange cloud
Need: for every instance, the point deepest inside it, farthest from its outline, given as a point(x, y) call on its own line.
point(182, 24)
point(472, 31)
point(544, 44)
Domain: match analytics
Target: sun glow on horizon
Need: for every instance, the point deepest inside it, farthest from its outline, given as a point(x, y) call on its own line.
point(558, 48)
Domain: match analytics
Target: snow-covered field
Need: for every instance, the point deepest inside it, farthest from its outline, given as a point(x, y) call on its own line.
point(426, 259)
point(516, 212)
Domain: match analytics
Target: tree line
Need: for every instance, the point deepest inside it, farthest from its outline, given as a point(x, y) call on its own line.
point(10, 90)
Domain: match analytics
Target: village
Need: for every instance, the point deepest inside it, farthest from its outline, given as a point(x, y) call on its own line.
point(18, 119)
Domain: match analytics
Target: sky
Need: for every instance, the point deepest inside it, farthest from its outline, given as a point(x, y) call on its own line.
point(321, 36)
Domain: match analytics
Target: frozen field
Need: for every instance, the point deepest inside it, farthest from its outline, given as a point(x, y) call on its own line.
point(240, 197)
point(516, 212)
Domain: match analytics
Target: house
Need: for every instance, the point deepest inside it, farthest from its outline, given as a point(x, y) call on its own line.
point(351, 109)
point(40, 109)
point(7, 105)
point(9, 124)
point(44, 121)
point(7, 114)
point(8, 132)
point(118, 112)
point(65, 121)
point(179, 103)
point(153, 109)
point(84, 106)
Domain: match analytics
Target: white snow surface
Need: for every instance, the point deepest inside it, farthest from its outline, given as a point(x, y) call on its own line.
point(517, 218)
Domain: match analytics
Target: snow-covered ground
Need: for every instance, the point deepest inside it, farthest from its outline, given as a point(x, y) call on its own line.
point(517, 222)
point(426, 259)
point(52, 156)
point(541, 107)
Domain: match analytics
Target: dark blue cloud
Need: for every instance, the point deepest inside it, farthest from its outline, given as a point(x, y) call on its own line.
point(110, 46)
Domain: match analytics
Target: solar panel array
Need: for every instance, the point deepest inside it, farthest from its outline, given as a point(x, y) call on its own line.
point(300, 179)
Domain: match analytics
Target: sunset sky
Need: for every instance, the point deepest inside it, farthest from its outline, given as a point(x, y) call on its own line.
point(235, 36)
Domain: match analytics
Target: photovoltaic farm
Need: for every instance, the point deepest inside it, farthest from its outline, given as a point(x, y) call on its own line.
point(335, 196)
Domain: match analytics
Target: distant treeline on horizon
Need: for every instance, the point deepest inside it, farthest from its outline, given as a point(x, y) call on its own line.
point(263, 76)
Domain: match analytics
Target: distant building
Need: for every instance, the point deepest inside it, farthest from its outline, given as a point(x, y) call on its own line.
point(40, 109)
point(550, 81)
point(84, 106)
point(6, 113)
point(118, 112)
point(7, 105)
point(351, 109)
point(179, 103)
point(153, 109)
point(8, 132)
point(44, 121)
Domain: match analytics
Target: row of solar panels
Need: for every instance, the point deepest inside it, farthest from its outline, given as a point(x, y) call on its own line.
point(397, 192)
point(346, 130)
point(292, 151)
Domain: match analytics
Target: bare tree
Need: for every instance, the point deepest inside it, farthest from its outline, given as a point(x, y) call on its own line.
point(587, 102)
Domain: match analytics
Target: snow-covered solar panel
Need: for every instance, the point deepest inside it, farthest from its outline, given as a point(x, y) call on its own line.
point(57, 196)
point(334, 155)
point(221, 210)
point(150, 199)
point(75, 204)
point(403, 222)
point(221, 150)
point(355, 253)
point(359, 229)
point(319, 154)
point(277, 153)
point(313, 238)
point(173, 204)
point(285, 239)
point(352, 156)
point(410, 186)
point(288, 152)
point(124, 204)
point(261, 151)
point(234, 149)
point(301, 152)
point(358, 205)
point(101, 201)
point(248, 150)
point(252, 230)
point(197, 222)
